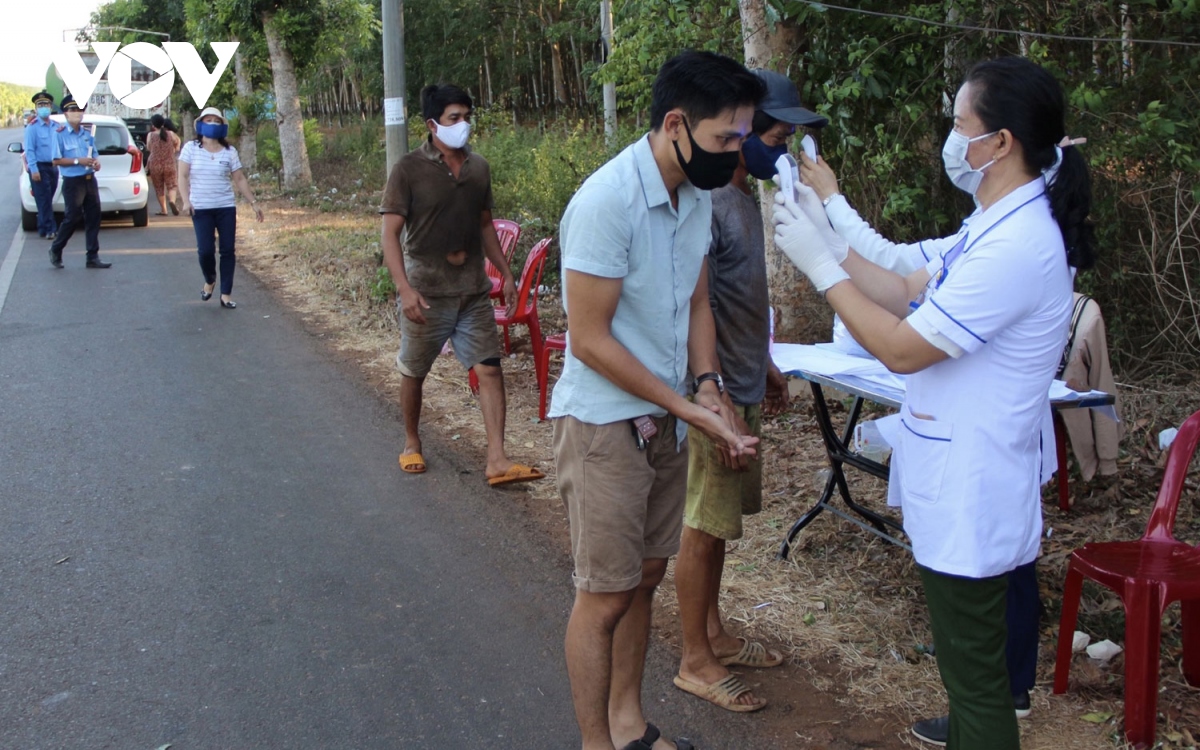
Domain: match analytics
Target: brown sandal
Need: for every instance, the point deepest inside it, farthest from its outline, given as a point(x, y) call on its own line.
point(753, 654)
point(723, 693)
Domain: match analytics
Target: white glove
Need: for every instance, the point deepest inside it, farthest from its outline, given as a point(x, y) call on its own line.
point(800, 241)
point(810, 203)
point(810, 207)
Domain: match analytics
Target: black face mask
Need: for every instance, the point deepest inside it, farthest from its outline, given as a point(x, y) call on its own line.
point(707, 170)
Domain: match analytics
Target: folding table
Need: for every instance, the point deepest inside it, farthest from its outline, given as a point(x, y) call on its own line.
point(841, 454)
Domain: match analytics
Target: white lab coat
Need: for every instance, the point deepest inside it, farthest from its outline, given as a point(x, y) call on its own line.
point(904, 259)
point(967, 467)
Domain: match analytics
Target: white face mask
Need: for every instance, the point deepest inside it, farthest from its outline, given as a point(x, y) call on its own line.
point(454, 136)
point(958, 169)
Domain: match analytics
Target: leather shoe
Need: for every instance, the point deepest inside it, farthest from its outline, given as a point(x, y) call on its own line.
point(934, 731)
point(937, 731)
point(56, 260)
point(97, 263)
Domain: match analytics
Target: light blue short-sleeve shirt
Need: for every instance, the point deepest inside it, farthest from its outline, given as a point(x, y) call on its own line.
point(621, 225)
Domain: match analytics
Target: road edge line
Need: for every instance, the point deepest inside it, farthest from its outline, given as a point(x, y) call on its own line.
point(9, 268)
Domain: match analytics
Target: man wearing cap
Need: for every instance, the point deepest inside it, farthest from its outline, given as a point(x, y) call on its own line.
point(75, 154)
point(39, 152)
point(719, 494)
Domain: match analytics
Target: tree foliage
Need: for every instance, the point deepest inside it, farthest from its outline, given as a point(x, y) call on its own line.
point(886, 83)
point(14, 102)
point(648, 32)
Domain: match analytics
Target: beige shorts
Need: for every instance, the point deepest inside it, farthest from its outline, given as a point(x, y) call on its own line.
point(625, 505)
point(468, 322)
point(718, 497)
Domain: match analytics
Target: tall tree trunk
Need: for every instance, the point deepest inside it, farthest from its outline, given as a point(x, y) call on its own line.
point(296, 170)
point(487, 72)
point(580, 89)
point(356, 100)
point(801, 314)
point(187, 126)
point(952, 64)
point(535, 75)
point(248, 146)
point(556, 66)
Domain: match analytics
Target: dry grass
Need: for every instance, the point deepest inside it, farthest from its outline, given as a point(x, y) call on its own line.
point(844, 598)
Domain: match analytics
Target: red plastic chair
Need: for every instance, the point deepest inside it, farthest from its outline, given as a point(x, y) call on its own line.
point(527, 297)
point(508, 232)
point(526, 308)
point(556, 342)
point(1148, 575)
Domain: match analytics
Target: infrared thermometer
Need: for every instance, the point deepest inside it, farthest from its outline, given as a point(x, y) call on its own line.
point(788, 172)
point(809, 145)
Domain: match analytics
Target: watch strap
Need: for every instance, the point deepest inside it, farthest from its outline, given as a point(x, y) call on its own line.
point(713, 376)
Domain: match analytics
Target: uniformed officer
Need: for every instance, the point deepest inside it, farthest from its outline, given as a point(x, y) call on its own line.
point(39, 151)
point(75, 153)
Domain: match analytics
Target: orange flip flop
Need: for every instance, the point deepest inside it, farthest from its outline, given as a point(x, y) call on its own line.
point(517, 473)
point(412, 463)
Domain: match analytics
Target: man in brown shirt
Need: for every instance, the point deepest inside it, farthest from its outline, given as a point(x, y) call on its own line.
point(438, 207)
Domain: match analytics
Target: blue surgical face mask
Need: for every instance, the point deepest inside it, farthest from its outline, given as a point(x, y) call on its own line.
point(214, 130)
point(43, 112)
point(760, 158)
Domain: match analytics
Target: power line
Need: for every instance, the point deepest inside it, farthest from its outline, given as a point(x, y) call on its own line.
point(945, 25)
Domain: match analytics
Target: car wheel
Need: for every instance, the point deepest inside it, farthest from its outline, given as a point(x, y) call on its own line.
point(28, 220)
point(141, 216)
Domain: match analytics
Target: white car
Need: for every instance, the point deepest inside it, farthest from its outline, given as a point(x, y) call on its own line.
point(124, 189)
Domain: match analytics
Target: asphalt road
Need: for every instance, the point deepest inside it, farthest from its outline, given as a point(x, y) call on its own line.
point(205, 539)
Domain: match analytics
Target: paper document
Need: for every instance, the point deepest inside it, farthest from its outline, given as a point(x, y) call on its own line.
point(832, 362)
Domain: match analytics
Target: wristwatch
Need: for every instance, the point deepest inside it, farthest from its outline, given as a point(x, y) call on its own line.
point(713, 376)
point(77, 161)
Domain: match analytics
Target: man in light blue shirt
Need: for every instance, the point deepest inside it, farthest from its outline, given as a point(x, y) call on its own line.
point(75, 153)
point(635, 288)
point(39, 154)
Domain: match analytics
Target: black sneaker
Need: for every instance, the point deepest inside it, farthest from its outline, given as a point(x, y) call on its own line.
point(55, 260)
point(1021, 703)
point(934, 731)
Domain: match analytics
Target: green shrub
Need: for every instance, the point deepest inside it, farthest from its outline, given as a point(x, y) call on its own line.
point(314, 140)
point(269, 153)
point(382, 288)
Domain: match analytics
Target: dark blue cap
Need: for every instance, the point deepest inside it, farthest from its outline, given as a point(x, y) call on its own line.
point(783, 101)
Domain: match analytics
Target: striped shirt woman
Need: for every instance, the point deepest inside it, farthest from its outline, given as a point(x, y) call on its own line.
point(209, 171)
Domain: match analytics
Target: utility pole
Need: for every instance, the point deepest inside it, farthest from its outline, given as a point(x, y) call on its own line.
point(610, 89)
point(395, 123)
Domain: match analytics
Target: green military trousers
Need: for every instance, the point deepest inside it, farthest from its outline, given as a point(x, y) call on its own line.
point(969, 634)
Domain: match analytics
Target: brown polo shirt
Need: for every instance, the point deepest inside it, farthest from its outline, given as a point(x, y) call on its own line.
point(441, 216)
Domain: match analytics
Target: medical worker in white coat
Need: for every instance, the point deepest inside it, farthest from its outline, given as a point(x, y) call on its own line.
point(980, 330)
point(1023, 602)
